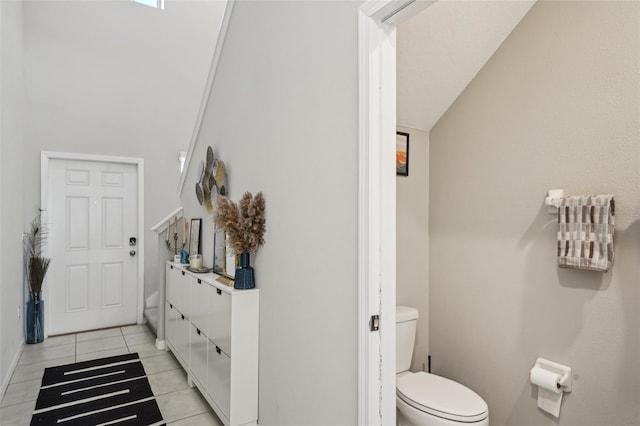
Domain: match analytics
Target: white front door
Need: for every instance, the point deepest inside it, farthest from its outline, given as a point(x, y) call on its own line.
point(93, 281)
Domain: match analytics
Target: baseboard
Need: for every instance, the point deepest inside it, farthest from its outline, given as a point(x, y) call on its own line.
point(12, 368)
point(161, 345)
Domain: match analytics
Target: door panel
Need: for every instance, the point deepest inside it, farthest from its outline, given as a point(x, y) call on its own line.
point(93, 281)
point(112, 285)
point(113, 222)
point(78, 223)
point(77, 291)
point(77, 177)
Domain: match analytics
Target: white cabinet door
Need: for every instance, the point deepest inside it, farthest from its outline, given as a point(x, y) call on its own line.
point(182, 340)
point(220, 319)
point(219, 378)
point(170, 323)
point(182, 292)
point(199, 355)
point(168, 287)
point(199, 303)
point(173, 278)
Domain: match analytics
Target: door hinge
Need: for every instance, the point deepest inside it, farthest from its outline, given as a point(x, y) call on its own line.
point(374, 323)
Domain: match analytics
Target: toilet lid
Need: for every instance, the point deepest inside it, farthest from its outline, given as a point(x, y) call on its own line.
point(441, 397)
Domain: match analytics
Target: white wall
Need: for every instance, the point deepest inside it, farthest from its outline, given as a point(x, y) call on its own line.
point(117, 78)
point(412, 240)
point(557, 106)
point(283, 116)
point(11, 188)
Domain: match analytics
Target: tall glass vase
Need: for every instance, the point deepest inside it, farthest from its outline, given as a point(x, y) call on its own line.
point(35, 319)
point(244, 278)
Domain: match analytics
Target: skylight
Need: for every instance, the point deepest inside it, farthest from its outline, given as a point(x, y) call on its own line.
point(158, 4)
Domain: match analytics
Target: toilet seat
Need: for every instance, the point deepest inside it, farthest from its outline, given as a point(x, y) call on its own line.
point(441, 397)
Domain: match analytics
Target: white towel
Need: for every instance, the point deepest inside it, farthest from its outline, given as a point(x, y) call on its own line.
point(585, 232)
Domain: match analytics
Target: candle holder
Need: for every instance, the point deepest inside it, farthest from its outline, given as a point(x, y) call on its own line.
point(175, 246)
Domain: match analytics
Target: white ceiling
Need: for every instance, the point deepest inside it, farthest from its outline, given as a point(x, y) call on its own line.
point(440, 50)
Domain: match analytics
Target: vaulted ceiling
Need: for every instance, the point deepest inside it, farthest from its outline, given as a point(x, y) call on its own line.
point(442, 49)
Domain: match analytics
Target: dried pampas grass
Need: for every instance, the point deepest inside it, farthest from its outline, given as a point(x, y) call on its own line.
point(36, 264)
point(244, 222)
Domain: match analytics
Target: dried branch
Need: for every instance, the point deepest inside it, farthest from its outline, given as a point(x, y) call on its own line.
point(36, 265)
point(244, 222)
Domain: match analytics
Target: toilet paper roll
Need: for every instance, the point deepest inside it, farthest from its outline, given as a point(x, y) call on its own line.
point(546, 379)
point(549, 392)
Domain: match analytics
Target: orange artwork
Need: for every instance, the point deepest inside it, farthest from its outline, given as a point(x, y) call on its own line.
point(402, 154)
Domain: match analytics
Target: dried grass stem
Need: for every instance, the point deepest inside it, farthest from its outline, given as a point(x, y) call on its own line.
point(244, 222)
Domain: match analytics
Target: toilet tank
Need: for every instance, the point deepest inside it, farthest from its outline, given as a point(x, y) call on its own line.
point(406, 319)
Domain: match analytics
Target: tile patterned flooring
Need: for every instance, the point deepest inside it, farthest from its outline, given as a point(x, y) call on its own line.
point(179, 404)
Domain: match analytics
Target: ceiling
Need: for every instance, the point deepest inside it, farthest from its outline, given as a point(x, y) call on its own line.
point(440, 50)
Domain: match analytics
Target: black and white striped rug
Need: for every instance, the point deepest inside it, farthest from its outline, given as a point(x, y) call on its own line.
point(106, 391)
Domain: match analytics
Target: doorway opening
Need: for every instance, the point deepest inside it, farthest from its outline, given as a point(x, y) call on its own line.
point(377, 22)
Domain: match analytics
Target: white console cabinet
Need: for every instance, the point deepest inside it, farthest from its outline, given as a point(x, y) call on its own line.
point(212, 330)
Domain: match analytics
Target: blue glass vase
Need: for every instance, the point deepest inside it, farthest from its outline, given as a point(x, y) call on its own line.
point(244, 278)
point(35, 319)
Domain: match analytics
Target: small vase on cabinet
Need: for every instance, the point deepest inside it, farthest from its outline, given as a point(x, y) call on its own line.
point(244, 278)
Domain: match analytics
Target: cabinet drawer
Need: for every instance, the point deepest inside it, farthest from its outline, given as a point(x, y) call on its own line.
point(199, 303)
point(179, 289)
point(199, 355)
point(182, 337)
point(219, 378)
point(182, 292)
point(170, 323)
point(170, 282)
point(219, 319)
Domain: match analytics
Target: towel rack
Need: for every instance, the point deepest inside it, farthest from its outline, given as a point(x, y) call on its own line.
point(553, 200)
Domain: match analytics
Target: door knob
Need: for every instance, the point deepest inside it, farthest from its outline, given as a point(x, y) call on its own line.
point(132, 253)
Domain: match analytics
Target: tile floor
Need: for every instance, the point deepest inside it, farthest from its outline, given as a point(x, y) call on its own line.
point(179, 404)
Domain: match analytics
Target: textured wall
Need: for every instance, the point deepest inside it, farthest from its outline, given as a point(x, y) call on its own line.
point(557, 106)
point(283, 116)
point(412, 239)
point(11, 122)
point(133, 92)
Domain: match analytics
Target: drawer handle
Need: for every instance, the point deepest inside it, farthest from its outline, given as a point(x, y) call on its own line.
point(218, 350)
point(171, 266)
point(198, 331)
point(182, 316)
point(182, 273)
point(170, 306)
point(218, 291)
point(199, 281)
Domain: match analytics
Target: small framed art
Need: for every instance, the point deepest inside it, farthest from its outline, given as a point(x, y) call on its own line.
point(219, 251)
point(195, 246)
point(402, 154)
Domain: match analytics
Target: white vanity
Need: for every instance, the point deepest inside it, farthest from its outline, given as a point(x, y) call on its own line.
point(212, 330)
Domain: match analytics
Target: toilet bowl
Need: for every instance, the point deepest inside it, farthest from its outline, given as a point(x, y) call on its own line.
point(424, 399)
point(430, 400)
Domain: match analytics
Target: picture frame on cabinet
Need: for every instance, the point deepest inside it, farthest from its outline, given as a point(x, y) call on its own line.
point(224, 260)
point(231, 261)
point(195, 246)
point(402, 154)
point(219, 248)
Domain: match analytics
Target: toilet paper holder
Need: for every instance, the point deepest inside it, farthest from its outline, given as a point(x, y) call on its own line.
point(564, 384)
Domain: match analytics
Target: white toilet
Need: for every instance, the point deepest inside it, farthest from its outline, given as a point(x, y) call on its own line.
point(424, 399)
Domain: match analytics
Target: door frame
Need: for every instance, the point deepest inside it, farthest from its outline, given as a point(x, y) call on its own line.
point(377, 21)
point(45, 158)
